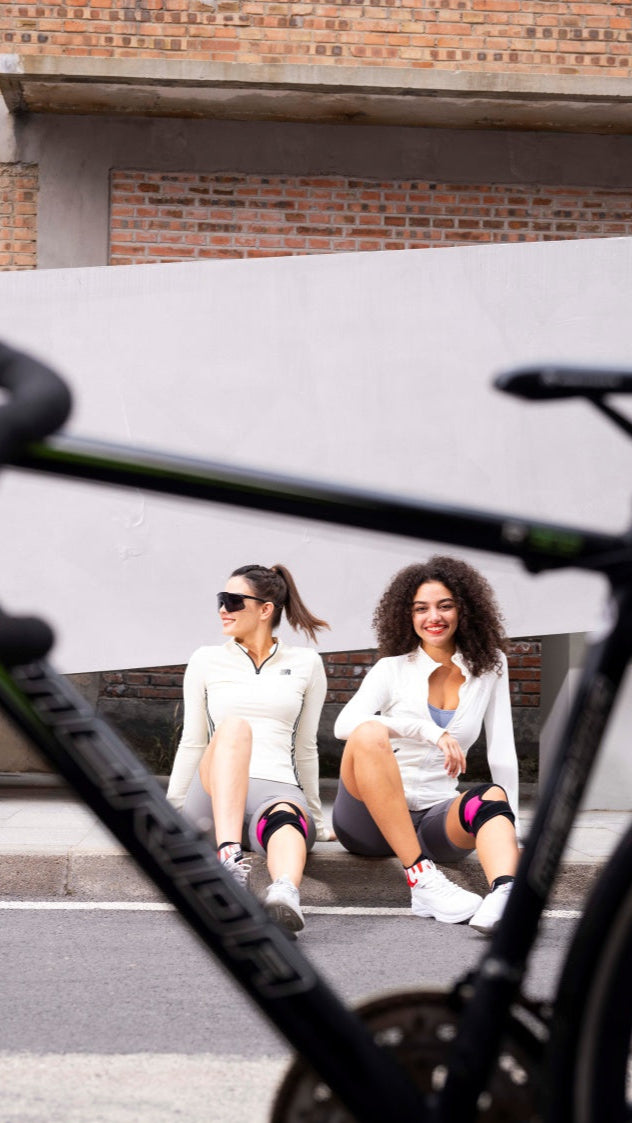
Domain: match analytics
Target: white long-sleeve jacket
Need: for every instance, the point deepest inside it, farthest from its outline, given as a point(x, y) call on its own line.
point(281, 700)
point(395, 693)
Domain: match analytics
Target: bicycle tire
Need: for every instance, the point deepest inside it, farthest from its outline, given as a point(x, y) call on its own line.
point(588, 1072)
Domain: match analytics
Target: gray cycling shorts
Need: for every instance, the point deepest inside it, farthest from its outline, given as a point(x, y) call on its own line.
point(359, 833)
point(262, 794)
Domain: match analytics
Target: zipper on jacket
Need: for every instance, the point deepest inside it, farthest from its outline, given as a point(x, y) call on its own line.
point(249, 656)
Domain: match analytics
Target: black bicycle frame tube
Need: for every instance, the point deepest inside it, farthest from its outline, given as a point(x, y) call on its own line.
point(181, 862)
point(499, 974)
point(539, 545)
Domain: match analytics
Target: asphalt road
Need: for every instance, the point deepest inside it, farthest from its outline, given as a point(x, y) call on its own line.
point(113, 1016)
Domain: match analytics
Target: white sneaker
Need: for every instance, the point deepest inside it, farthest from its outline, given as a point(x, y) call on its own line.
point(283, 904)
point(433, 895)
point(238, 867)
point(487, 918)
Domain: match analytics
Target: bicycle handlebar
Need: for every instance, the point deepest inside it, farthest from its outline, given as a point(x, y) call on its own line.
point(38, 401)
point(37, 404)
point(542, 383)
point(23, 639)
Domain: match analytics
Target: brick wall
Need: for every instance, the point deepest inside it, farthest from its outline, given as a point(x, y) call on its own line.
point(187, 216)
point(164, 683)
point(18, 216)
point(345, 671)
point(570, 37)
point(145, 706)
point(524, 657)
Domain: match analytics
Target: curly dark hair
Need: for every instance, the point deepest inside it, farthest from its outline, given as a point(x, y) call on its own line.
point(480, 635)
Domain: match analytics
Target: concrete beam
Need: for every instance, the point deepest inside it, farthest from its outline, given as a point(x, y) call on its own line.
point(325, 94)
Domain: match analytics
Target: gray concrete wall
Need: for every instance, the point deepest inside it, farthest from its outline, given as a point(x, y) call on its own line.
point(17, 755)
point(610, 784)
point(75, 155)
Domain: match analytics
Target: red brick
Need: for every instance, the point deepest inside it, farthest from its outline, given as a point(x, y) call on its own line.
point(334, 211)
point(488, 34)
point(18, 208)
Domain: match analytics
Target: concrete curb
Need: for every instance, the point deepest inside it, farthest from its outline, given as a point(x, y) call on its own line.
point(76, 859)
point(336, 879)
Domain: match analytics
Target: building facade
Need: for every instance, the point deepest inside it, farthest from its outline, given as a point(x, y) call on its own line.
point(182, 129)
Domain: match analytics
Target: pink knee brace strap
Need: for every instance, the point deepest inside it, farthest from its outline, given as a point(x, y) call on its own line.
point(273, 820)
point(474, 811)
point(470, 808)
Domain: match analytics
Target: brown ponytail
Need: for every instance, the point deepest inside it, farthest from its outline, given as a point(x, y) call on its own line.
point(276, 584)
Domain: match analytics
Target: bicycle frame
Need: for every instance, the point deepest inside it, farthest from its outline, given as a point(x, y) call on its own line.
point(181, 862)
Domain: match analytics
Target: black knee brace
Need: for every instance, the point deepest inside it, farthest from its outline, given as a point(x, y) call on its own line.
point(273, 820)
point(474, 810)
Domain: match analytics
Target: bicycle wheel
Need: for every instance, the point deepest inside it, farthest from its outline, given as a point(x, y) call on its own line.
point(589, 1065)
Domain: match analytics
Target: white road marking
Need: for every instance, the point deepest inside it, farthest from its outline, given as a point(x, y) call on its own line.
point(85, 906)
point(164, 906)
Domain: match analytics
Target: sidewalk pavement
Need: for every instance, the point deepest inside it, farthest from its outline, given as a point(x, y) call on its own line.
point(54, 848)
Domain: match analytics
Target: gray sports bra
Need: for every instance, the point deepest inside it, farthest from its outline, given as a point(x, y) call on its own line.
point(441, 717)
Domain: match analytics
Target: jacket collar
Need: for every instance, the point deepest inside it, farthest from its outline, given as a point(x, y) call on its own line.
point(232, 643)
point(429, 665)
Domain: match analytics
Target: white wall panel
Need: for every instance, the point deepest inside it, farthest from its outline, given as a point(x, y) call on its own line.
point(371, 369)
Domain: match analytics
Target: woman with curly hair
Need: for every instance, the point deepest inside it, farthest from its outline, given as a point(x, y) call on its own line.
point(441, 676)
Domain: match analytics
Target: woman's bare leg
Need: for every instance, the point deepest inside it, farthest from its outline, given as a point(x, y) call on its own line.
point(495, 843)
point(370, 773)
point(224, 775)
point(287, 851)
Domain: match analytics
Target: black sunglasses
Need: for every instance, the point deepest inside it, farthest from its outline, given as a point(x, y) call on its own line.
point(234, 602)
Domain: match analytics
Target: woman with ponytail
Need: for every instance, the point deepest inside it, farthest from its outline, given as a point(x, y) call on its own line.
point(246, 769)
